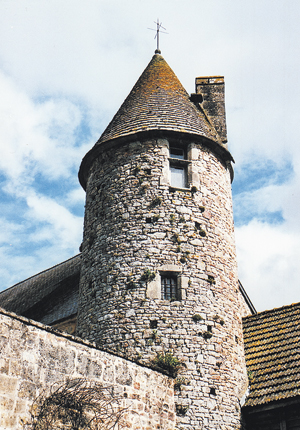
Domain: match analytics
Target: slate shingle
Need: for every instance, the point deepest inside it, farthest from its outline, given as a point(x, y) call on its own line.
point(29, 293)
point(158, 101)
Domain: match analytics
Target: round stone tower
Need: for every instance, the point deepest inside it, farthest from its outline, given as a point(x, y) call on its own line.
point(159, 274)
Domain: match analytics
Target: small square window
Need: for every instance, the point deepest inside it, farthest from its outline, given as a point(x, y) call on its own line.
point(169, 289)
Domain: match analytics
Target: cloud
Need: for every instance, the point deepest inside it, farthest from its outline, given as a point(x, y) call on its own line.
point(36, 137)
point(43, 234)
point(66, 67)
point(268, 235)
point(61, 224)
point(269, 264)
point(40, 151)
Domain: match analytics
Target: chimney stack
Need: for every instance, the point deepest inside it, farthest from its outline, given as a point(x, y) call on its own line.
point(212, 90)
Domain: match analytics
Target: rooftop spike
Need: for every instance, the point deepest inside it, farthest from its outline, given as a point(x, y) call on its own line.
point(158, 29)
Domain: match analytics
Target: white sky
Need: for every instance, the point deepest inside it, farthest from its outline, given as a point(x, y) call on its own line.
point(67, 65)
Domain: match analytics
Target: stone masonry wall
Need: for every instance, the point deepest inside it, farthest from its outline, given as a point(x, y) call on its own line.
point(136, 222)
point(33, 357)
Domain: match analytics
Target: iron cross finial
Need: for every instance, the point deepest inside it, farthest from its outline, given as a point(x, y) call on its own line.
point(158, 29)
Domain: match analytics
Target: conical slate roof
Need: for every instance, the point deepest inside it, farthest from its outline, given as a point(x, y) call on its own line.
point(158, 101)
point(157, 104)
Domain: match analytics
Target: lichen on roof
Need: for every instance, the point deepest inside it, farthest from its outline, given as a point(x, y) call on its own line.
point(158, 101)
point(272, 352)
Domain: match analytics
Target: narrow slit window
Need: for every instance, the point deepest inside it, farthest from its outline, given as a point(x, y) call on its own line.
point(169, 287)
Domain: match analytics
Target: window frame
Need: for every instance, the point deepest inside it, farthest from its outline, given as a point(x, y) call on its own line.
point(173, 278)
point(178, 149)
point(180, 163)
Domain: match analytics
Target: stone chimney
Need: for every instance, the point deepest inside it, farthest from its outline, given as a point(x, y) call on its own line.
point(212, 90)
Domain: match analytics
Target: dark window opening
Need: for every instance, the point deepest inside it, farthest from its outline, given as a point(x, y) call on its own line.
point(153, 324)
point(169, 287)
point(178, 153)
point(209, 328)
point(212, 391)
point(148, 220)
point(211, 280)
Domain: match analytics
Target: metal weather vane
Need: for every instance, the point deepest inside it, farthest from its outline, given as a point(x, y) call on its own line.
point(158, 30)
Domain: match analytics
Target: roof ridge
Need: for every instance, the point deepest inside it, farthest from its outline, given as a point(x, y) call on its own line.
point(270, 311)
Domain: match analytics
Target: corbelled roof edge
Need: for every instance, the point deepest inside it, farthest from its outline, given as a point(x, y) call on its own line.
point(157, 105)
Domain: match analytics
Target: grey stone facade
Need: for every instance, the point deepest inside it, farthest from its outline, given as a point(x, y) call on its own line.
point(136, 224)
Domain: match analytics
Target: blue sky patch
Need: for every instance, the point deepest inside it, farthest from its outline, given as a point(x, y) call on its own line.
point(251, 178)
point(256, 175)
point(244, 216)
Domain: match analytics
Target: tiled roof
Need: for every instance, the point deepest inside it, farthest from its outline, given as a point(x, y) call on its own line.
point(26, 294)
point(61, 304)
point(158, 101)
point(272, 351)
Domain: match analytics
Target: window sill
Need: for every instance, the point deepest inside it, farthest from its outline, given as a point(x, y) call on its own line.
point(179, 162)
point(176, 302)
point(183, 190)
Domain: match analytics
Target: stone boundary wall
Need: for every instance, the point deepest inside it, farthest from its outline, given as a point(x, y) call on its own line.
point(33, 357)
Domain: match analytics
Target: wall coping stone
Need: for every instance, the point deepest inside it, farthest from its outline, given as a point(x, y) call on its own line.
point(72, 338)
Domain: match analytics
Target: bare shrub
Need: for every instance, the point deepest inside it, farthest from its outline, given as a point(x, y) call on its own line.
point(76, 405)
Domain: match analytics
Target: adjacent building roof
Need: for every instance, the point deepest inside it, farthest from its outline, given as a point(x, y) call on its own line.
point(272, 351)
point(48, 296)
